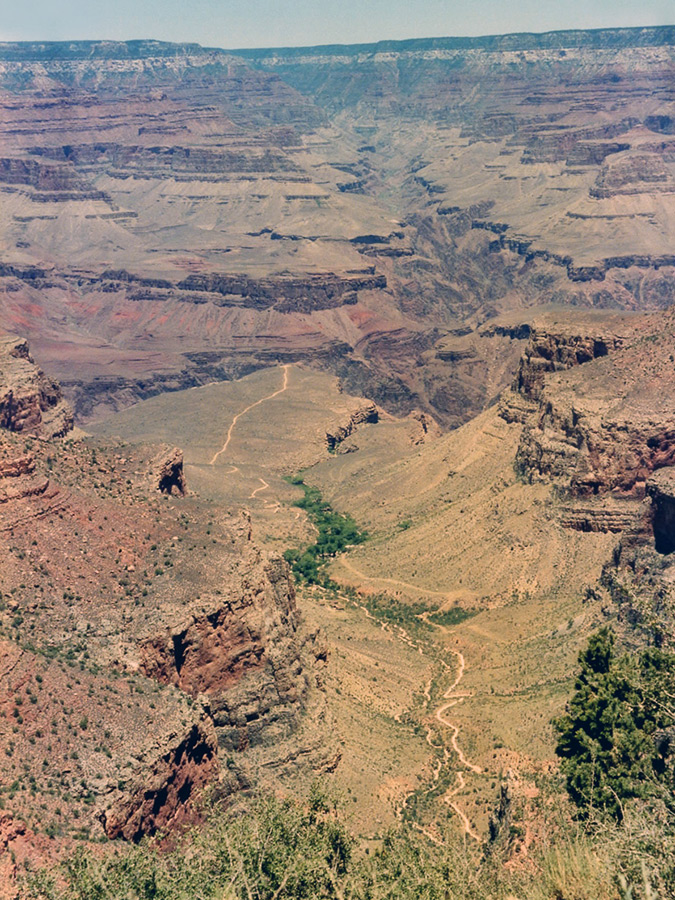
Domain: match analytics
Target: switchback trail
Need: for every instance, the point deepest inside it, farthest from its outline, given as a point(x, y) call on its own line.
point(238, 416)
point(452, 696)
point(264, 486)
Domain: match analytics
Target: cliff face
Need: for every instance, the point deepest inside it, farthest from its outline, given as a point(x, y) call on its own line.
point(593, 396)
point(161, 799)
point(601, 423)
point(638, 579)
point(661, 490)
point(185, 639)
point(593, 455)
point(244, 654)
point(30, 402)
point(336, 436)
point(548, 352)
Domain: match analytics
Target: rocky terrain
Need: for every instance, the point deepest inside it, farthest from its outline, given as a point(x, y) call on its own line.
point(174, 215)
point(30, 402)
point(600, 428)
point(434, 277)
point(146, 640)
point(604, 427)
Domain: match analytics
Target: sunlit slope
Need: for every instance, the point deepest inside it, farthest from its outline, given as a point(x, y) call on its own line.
point(450, 524)
point(240, 439)
point(451, 520)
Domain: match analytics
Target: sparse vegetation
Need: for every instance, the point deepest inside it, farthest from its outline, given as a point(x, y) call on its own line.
point(292, 850)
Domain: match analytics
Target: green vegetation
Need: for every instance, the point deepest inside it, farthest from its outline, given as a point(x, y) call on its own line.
point(452, 616)
point(412, 616)
point(336, 533)
point(617, 740)
point(301, 850)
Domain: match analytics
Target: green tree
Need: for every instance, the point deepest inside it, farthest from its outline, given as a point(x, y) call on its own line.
point(614, 741)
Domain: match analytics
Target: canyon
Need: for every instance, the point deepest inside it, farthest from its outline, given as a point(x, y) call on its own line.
point(433, 279)
point(174, 215)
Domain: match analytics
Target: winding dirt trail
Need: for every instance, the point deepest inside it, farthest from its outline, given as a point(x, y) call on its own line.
point(238, 416)
point(453, 697)
point(275, 506)
point(263, 487)
point(461, 784)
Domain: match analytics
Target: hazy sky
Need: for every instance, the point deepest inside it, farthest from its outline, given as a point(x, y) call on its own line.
point(265, 23)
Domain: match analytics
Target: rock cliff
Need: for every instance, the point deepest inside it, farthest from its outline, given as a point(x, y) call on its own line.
point(368, 412)
point(30, 402)
point(143, 641)
point(661, 490)
point(244, 652)
point(597, 418)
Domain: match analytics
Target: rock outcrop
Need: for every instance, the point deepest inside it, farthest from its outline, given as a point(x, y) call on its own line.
point(639, 578)
point(598, 518)
point(25, 494)
point(661, 490)
point(168, 472)
point(594, 455)
point(595, 407)
point(556, 351)
point(367, 413)
point(245, 653)
point(161, 800)
point(30, 402)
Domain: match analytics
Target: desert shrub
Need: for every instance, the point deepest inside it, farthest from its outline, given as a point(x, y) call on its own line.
point(300, 850)
point(279, 850)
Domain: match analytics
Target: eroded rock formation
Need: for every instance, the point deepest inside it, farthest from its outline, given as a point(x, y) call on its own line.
point(161, 799)
point(30, 402)
point(244, 653)
point(169, 475)
point(368, 412)
point(186, 637)
point(661, 490)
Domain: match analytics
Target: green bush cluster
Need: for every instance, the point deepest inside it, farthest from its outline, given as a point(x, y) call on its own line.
point(414, 616)
point(336, 533)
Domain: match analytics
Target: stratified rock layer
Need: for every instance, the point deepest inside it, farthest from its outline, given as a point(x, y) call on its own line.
point(140, 638)
point(174, 215)
point(597, 411)
point(29, 401)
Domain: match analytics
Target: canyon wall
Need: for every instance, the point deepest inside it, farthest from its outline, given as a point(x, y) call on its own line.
point(144, 644)
point(174, 215)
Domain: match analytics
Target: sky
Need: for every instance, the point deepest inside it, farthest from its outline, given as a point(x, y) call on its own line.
point(236, 24)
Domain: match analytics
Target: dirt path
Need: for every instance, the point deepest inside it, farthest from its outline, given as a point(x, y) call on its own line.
point(461, 784)
point(404, 584)
point(264, 486)
point(453, 697)
point(238, 416)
